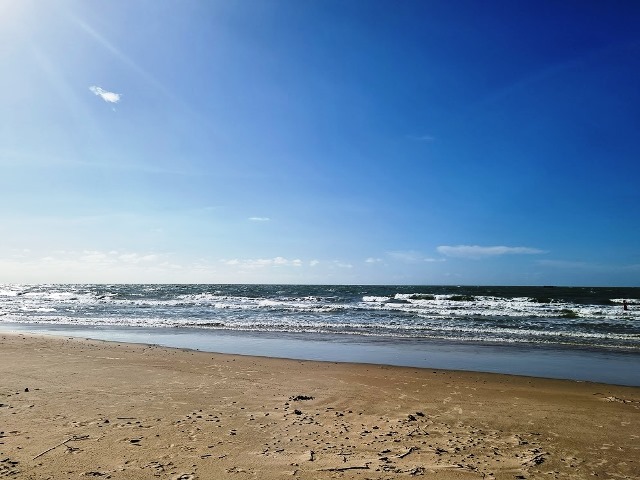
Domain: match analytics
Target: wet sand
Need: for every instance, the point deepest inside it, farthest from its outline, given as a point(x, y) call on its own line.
point(72, 408)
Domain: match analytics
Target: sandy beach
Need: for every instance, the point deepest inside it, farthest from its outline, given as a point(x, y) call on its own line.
point(72, 408)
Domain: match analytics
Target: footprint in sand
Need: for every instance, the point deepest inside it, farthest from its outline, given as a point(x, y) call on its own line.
point(8, 468)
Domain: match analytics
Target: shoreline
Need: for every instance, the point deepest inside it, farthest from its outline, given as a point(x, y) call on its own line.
point(615, 367)
point(73, 407)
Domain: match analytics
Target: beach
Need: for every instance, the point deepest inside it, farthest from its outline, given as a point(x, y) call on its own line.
point(78, 408)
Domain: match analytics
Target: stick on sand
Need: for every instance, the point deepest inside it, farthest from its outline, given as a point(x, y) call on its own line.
point(75, 437)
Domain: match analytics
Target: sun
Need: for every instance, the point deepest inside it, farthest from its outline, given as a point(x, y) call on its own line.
point(10, 8)
point(17, 17)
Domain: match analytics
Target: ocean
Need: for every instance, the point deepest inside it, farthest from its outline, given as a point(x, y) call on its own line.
point(505, 329)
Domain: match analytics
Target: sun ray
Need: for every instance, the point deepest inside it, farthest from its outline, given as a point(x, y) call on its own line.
point(122, 57)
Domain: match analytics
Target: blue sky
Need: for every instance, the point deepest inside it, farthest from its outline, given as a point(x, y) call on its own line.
point(424, 142)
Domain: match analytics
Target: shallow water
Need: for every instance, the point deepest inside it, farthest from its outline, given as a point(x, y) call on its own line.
point(582, 364)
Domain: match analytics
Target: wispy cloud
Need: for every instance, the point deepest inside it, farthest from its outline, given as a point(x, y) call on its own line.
point(422, 138)
point(263, 262)
point(341, 264)
point(411, 256)
point(259, 219)
point(76, 266)
point(477, 251)
point(112, 257)
point(109, 97)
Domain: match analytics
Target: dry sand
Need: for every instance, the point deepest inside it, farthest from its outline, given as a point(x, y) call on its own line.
point(74, 408)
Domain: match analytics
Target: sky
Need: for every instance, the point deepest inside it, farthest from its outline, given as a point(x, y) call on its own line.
point(320, 141)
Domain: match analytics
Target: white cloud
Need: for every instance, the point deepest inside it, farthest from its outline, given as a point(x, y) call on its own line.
point(410, 256)
point(137, 258)
point(313, 263)
point(477, 251)
point(263, 262)
point(109, 97)
point(373, 260)
point(259, 219)
point(342, 264)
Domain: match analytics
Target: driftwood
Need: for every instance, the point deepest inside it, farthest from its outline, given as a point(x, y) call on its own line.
point(411, 449)
point(417, 431)
point(344, 469)
point(70, 439)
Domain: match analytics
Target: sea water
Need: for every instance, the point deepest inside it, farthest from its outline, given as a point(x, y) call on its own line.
point(581, 333)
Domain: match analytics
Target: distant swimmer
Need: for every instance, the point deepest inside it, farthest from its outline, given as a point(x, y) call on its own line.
point(625, 306)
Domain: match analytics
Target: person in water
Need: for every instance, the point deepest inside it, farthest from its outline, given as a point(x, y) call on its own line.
point(625, 306)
